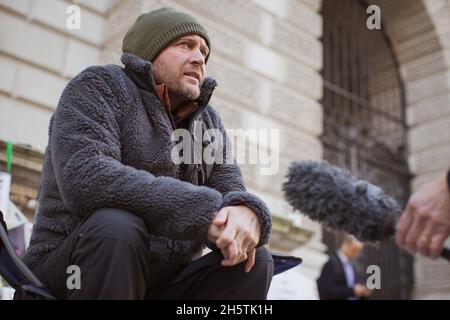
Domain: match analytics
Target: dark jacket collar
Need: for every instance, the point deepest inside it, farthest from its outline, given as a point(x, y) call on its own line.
point(140, 71)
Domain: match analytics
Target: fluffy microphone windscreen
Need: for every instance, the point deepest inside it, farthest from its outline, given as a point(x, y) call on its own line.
point(332, 196)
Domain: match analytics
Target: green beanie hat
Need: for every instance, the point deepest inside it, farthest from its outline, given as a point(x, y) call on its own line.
point(153, 31)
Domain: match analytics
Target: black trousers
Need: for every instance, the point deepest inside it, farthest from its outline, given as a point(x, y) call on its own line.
point(110, 249)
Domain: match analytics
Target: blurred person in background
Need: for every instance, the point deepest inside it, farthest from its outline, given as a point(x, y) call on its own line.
point(339, 279)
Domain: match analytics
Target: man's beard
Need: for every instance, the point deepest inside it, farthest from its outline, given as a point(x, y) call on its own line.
point(177, 86)
point(184, 91)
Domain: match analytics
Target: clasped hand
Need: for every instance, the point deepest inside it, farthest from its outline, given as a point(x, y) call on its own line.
point(236, 232)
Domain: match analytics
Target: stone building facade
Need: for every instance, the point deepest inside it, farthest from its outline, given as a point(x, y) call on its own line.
point(267, 57)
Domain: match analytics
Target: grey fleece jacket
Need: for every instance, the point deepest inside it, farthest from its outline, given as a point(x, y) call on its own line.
point(110, 146)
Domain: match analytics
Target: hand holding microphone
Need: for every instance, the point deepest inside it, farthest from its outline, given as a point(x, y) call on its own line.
point(332, 196)
point(425, 224)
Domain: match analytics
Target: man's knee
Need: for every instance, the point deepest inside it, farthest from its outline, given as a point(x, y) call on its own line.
point(263, 254)
point(252, 285)
point(264, 263)
point(115, 223)
point(257, 282)
point(261, 272)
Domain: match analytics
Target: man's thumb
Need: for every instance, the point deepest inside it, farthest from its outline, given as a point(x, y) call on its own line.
point(221, 217)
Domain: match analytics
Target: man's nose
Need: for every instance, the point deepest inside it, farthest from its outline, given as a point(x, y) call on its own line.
point(197, 57)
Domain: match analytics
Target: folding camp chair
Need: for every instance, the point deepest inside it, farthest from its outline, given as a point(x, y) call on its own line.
point(284, 262)
point(16, 273)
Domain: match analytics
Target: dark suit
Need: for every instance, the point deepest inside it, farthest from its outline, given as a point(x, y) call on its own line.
point(332, 283)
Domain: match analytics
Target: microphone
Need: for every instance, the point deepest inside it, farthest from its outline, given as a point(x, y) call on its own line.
point(332, 196)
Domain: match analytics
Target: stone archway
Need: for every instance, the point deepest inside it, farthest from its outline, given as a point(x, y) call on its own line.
point(365, 125)
point(420, 33)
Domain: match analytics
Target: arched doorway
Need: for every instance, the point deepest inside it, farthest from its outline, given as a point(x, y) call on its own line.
point(364, 124)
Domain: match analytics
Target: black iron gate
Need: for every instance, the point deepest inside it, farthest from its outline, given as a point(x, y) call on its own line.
point(364, 124)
